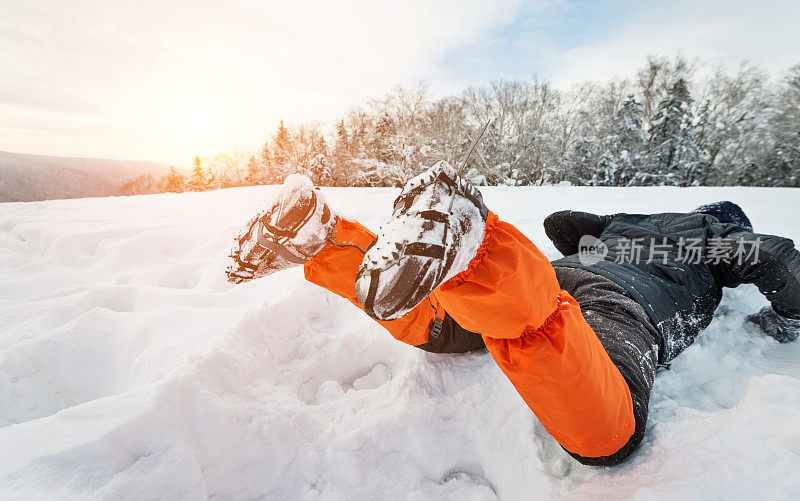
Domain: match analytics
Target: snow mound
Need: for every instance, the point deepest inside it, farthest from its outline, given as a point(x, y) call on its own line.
point(130, 369)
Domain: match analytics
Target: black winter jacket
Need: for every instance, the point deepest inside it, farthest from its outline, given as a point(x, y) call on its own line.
point(683, 262)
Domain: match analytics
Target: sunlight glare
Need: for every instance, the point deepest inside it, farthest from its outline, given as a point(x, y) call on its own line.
point(196, 124)
point(200, 119)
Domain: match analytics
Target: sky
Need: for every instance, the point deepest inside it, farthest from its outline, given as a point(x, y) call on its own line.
point(165, 81)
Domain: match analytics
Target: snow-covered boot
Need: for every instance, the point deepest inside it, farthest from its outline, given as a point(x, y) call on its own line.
point(436, 228)
point(294, 227)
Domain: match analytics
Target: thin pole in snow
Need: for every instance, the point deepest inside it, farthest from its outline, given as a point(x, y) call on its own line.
point(474, 143)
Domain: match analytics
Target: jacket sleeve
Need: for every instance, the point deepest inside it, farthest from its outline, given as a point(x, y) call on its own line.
point(565, 228)
point(770, 262)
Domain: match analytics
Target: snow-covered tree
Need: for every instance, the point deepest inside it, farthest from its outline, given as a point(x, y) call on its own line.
point(173, 181)
point(140, 185)
point(265, 163)
point(199, 180)
point(783, 162)
point(619, 164)
point(341, 156)
point(282, 153)
point(674, 154)
point(738, 128)
point(319, 170)
point(381, 145)
point(255, 171)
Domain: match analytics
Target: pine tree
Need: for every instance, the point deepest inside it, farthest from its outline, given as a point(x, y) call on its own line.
point(782, 164)
point(711, 135)
point(198, 181)
point(265, 161)
point(342, 141)
point(320, 170)
point(302, 142)
point(282, 156)
point(674, 155)
point(255, 171)
point(619, 164)
point(341, 156)
point(381, 143)
point(319, 145)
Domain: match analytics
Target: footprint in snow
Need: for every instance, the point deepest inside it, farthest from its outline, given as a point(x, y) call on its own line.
point(328, 392)
point(332, 390)
point(377, 377)
point(467, 477)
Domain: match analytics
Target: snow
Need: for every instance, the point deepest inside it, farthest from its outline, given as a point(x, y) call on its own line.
point(130, 369)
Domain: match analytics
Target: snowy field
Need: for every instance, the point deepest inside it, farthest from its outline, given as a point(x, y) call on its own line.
point(130, 369)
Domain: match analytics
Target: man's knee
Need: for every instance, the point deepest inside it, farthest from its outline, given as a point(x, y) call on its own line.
point(446, 336)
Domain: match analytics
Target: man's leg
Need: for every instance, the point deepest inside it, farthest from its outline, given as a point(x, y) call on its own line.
point(627, 334)
point(536, 333)
point(298, 227)
point(427, 326)
point(442, 240)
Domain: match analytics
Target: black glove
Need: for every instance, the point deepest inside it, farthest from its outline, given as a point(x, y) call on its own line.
point(782, 328)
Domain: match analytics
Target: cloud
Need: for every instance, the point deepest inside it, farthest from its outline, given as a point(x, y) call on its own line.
point(121, 74)
point(569, 41)
point(129, 79)
point(719, 33)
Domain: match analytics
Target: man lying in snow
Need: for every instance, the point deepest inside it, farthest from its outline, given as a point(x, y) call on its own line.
point(579, 338)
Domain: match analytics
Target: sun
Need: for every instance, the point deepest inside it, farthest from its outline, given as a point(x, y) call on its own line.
point(200, 120)
point(196, 123)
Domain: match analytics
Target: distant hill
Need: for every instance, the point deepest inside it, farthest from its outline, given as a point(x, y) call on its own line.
point(24, 178)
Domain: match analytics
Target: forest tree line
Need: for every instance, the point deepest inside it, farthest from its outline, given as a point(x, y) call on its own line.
point(675, 123)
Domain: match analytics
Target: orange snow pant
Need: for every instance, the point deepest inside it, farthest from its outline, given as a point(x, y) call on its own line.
point(534, 331)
